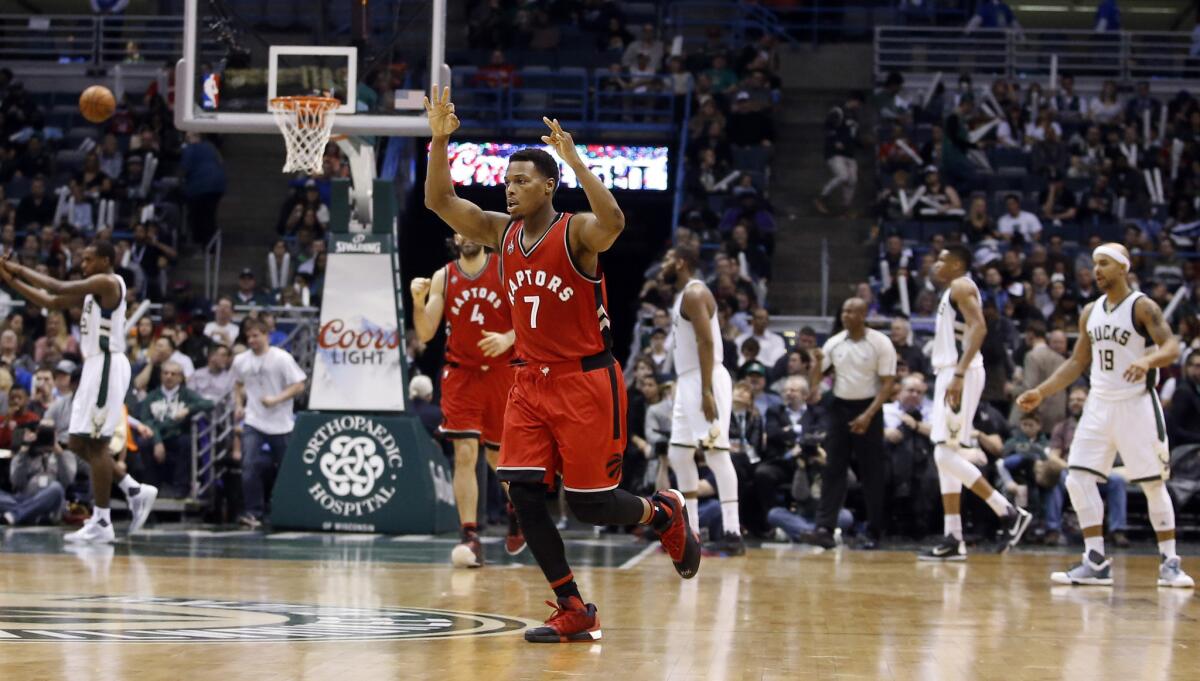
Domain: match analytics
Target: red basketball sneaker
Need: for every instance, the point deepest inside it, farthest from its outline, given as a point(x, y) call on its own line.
point(676, 535)
point(514, 541)
point(573, 621)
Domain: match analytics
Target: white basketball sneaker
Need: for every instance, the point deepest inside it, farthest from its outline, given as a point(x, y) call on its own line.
point(93, 532)
point(1171, 574)
point(141, 501)
point(1093, 570)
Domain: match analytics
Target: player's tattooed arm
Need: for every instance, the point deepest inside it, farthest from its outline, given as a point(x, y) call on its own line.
point(1068, 372)
point(1149, 316)
point(464, 217)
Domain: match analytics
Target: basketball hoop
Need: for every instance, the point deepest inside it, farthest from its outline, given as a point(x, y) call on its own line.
point(305, 123)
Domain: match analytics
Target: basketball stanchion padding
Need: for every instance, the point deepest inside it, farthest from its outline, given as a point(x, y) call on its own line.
point(305, 123)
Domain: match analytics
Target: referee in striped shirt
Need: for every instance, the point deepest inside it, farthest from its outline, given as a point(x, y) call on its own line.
point(863, 362)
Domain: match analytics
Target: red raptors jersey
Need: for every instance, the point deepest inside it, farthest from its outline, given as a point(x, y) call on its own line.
point(559, 313)
point(474, 305)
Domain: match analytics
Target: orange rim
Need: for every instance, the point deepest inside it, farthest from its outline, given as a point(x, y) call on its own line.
point(309, 110)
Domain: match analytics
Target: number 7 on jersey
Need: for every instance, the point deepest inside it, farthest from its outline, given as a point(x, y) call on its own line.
point(534, 301)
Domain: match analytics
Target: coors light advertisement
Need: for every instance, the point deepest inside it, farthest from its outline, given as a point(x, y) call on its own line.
point(357, 365)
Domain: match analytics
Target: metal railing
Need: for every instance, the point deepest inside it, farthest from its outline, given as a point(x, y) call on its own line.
point(212, 443)
point(212, 266)
point(681, 162)
point(82, 38)
point(1124, 56)
point(570, 94)
point(814, 21)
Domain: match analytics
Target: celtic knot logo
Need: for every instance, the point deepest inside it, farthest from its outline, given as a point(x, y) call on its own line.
point(351, 465)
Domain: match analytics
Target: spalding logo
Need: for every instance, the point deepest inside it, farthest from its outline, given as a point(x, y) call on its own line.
point(358, 244)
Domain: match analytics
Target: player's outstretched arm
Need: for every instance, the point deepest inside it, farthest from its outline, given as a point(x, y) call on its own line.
point(595, 231)
point(1149, 316)
point(428, 304)
point(54, 294)
point(1067, 372)
point(464, 217)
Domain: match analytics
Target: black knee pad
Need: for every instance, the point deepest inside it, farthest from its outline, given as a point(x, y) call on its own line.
point(526, 496)
point(594, 508)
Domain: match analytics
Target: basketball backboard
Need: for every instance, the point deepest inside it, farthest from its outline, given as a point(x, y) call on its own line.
point(373, 56)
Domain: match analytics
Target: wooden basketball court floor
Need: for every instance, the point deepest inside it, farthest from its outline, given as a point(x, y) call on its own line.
point(203, 604)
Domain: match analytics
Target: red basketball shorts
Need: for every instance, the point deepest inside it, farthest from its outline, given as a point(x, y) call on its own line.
point(561, 419)
point(473, 402)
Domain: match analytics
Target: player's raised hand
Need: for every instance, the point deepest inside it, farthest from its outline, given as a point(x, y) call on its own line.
point(442, 121)
point(1029, 400)
point(419, 287)
point(561, 140)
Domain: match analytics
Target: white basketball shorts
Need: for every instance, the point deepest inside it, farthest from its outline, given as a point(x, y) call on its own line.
point(97, 406)
point(1133, 427)
point(950, 427)
point(688, 426)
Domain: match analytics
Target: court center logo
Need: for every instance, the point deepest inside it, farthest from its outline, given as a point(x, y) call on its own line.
point(39, 617)
point(351, 464)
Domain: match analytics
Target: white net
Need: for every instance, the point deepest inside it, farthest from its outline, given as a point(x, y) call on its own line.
point(305, 123)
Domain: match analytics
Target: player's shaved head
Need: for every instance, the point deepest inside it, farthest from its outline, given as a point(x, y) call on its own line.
point(1119, 247)
point(688, 256)
point(1111, 264)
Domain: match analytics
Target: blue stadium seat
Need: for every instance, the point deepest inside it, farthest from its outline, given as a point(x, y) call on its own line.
point(754, 158)
point(17, 188)
point(1069, 231)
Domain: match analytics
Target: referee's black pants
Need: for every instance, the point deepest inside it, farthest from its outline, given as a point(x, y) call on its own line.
point(866, 450)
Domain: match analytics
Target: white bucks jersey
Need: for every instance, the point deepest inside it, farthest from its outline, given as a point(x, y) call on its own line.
point(687, 351)
point(1117, 342)
point(101, 330)
point(948, 332)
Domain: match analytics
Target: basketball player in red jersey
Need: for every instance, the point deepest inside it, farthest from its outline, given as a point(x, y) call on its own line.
point(566, 411)
point(476, 377)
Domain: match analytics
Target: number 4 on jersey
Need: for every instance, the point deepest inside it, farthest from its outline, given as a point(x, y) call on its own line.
point(476, 315)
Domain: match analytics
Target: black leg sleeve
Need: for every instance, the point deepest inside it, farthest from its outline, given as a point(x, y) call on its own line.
point(546, 544)
point(611, 507)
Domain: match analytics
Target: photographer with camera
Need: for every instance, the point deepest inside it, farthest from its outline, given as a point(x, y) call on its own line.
point(908, 454)
point(794, 431)
point(40, 472)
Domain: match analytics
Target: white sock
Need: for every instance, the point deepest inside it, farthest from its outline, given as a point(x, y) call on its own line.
point(998, 503)
point(99, 514)
point(127, 483)
point(730, 522)
point(1094, 544)
point(693, 509)
point(1167, 548)
point(953, 524)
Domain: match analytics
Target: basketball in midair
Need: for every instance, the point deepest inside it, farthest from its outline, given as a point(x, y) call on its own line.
point(97, 104)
